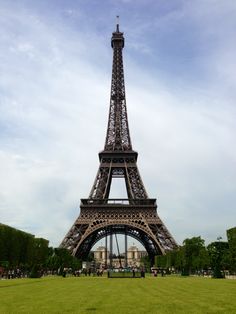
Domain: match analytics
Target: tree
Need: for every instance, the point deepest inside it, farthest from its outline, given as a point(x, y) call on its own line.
point(21, 248)
point(146, 262)
point(218, 252)
point(179, 259)
point(194, 255)
point(62, 258)
point(231, 235)
point(160, 261)
point(169, 260)
point(41, 251)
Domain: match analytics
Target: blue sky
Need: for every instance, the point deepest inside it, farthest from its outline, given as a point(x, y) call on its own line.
point(55, 65)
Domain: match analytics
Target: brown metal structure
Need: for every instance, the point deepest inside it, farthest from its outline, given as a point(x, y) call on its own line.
point(135, 216)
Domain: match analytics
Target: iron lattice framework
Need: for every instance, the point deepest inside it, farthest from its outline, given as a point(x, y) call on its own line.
point(100, 216)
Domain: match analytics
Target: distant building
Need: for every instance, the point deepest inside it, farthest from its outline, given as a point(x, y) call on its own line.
point(134, 255)
point(100, 254)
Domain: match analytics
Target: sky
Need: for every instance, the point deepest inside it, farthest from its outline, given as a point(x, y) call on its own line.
point(55, 76)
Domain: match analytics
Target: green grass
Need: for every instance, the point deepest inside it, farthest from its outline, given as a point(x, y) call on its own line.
point(102, 295)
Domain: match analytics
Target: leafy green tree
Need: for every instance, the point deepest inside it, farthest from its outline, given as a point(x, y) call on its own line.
point(62, 258)
point(41, 251)
point(194, 251)
point(3, 248)
point(218, 252)
point(160, 261)
point(168, 260)
point(21, 248)
point(146, 262)
point(231, 235)
point(192, 256)
point(179, 260)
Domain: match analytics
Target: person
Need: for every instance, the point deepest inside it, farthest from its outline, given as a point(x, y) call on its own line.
point(64, 273)
point(133, 271)
point(142, 273)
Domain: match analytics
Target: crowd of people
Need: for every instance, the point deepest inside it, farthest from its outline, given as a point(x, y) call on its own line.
point(13, 273)
point(84, 272)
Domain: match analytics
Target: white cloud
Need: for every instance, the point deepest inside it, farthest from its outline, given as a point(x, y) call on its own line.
point(46, 118)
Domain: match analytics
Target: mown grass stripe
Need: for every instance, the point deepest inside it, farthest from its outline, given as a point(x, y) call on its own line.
point(102, 295)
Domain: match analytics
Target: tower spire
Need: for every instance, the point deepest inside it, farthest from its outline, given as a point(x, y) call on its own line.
point(118, 136)
point(117, 24)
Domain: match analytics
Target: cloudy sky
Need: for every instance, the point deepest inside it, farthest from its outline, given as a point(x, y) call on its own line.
point(55, 72)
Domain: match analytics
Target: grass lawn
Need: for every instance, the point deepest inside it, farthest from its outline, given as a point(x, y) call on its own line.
point(102, 295)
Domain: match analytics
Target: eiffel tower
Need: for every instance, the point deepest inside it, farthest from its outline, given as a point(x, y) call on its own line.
point(136, 216)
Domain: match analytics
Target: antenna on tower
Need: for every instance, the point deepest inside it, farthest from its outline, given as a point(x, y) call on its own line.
point(117, 23)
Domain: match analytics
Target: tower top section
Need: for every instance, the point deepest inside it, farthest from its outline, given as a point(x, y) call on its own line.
point(118, 137)
point(117, 39)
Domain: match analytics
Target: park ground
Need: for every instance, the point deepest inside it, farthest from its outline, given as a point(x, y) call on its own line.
point(102, 295)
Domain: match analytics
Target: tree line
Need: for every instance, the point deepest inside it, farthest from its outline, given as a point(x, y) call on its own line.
point(23, 250)
point(194, 257)
point(19, 249)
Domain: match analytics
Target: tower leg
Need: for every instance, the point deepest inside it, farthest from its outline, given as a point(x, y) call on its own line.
point(111, 248)
point(126, 262)
point(106, 250)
